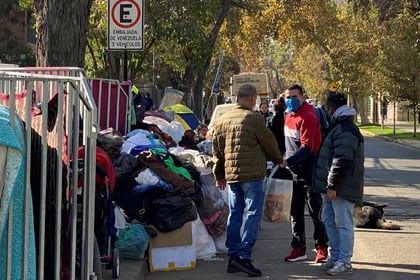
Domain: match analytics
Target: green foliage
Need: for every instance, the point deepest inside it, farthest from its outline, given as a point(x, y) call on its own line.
point(8, 5)
point(96, 61)
point(401, 57)
point(14, 51)
point(354, 55)
point(25, 4)
point(385, 9)
point(313, 75)
point(367, 47)
point(389, 132)
point(175, 30)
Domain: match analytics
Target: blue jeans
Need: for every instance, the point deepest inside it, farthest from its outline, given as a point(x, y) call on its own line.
point(250, 196)
point(337, 215)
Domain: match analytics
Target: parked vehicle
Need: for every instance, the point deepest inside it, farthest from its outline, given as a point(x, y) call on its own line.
point(223, 108)
point(220, 110)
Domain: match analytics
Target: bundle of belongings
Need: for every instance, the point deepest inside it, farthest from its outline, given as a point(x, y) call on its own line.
point(160, 184)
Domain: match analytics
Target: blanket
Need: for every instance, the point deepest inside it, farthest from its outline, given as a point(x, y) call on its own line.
point(12, 180)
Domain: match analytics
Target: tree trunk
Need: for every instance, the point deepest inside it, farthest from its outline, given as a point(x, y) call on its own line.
point(198, 96)
point(61, 28)
point(415, 119)
point(358, 103)
point(187, 81)
point(114, 65)
point(201, 75)
point(361, 109)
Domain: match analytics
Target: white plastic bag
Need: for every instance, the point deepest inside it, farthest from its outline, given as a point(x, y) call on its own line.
point(120, 221)
point(220, 243)
point(203, 242)
point(278, 196)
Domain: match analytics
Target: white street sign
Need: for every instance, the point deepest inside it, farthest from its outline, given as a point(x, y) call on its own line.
point(125, 24)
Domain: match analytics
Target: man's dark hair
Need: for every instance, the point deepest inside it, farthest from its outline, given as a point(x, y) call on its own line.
point(280, 104)
point(336, 100)
point(296, 86)
point(247, 90)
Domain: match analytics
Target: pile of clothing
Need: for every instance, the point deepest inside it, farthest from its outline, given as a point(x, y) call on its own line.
point(161, 184)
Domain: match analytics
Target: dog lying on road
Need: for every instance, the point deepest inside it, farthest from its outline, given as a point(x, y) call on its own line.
point(371, 215)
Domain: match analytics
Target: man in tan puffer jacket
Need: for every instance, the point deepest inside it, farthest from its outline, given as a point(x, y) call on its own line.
point(242, 144)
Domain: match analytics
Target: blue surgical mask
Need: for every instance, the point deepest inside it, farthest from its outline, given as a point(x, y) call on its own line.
point(292, 104)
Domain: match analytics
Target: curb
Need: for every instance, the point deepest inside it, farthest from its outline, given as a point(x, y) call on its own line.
point(389, 139)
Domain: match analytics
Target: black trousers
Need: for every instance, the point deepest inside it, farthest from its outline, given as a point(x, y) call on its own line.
point(303, 195)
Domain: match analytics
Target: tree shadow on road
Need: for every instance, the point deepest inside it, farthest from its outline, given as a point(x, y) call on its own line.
point(399, 271)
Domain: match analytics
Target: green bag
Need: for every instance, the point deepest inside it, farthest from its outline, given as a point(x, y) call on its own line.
point(132, 242)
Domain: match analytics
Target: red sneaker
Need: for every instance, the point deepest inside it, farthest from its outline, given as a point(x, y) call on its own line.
point(321, 253)
point(296, 255)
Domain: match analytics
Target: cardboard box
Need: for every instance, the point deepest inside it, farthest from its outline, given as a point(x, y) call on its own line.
point(174, 250)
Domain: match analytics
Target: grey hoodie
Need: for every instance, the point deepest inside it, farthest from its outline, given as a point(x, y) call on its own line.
point(343, 111)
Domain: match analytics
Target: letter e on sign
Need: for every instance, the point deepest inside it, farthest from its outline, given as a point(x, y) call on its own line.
point(125, 24)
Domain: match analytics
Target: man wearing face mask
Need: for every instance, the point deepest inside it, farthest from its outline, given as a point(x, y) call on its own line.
point(303, 139)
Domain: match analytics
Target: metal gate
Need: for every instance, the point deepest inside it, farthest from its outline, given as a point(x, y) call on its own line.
point(59, 116)
point(113, 100)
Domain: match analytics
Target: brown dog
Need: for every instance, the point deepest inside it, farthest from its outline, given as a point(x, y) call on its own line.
point(371, 215)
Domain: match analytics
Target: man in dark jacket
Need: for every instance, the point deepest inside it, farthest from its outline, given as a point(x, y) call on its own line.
point(302, 139)
point(339, 177)
point(242, 144)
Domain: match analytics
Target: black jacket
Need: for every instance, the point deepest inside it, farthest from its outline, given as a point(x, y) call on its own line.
point(277, 127)
point(340, 161)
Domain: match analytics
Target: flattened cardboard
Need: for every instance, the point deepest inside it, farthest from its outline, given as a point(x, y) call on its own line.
point(172, 258)
point(174, 250)
point(178, 237)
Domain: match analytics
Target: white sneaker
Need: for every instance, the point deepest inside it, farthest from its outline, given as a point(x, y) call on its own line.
point(328, 264)
point(340, 268)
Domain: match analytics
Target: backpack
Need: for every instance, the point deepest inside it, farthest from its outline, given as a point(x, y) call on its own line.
point(323, 120)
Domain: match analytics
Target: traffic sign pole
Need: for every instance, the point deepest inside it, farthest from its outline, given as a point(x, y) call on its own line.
point(125, 66)
point(125, 24)
point(125, 28)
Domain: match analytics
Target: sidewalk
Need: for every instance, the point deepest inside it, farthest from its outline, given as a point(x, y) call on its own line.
point(402, 125)
point(374, 258)
point(378, 254)
point(415, 144)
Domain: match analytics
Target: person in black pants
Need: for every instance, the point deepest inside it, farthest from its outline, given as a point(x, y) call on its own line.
point(303, 139)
